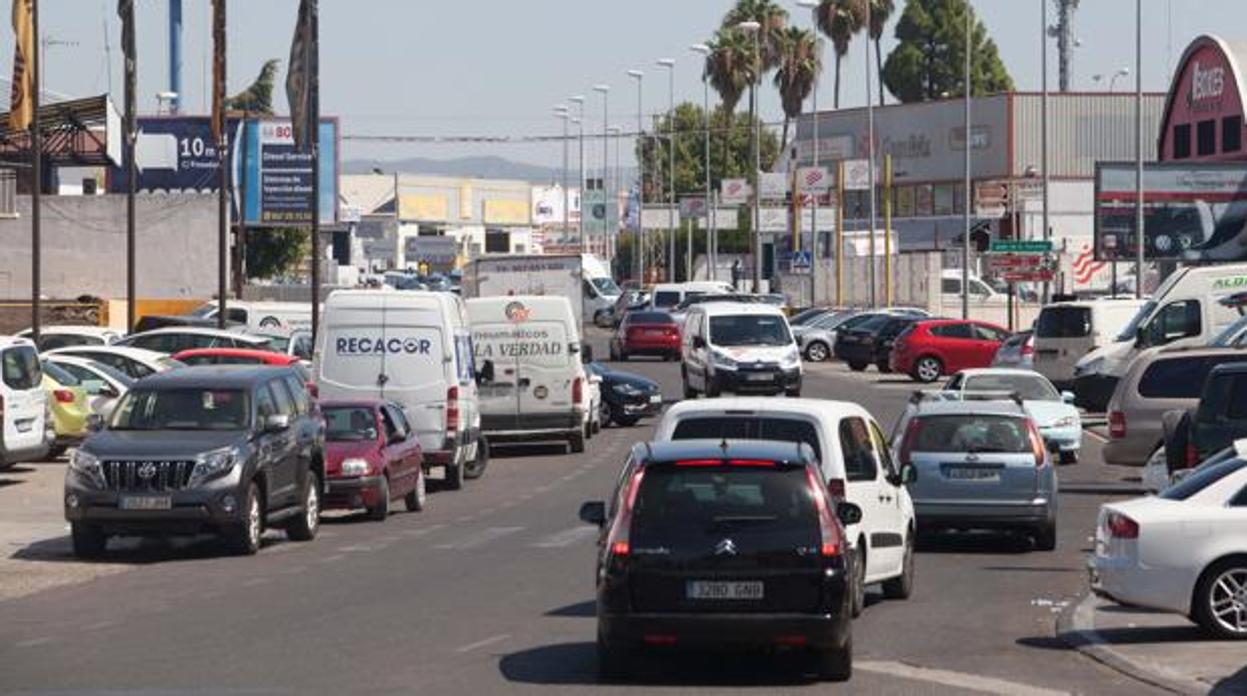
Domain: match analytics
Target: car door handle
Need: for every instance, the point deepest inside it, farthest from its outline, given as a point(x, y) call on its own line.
point(885, 498)
point(523, 382)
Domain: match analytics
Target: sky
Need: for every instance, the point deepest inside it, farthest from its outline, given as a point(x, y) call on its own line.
point(498, 67)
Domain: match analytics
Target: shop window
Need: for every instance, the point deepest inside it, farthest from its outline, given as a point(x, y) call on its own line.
point(1182, 141)
point(1232, 134)
point(1206, 138)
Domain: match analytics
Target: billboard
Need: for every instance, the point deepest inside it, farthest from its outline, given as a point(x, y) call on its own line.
point(173, 154)
point(1192, 212)
point(278, 179)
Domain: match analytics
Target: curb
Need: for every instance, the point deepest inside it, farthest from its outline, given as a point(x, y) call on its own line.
point(1076, 628)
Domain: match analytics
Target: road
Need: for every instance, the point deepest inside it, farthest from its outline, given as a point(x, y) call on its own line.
point(491, 590)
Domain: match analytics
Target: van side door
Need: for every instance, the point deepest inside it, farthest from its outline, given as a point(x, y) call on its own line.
point(864, 487)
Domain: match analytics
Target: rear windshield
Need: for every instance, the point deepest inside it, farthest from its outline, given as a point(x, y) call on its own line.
point(749, 428)
point(20, 368)
point(55, 340)
point(666, 298)
point(972, 433)
point(1180, 378)
point(650, 318)
point(1029, 387)
point(1063, 322)
point(1224, 399)
point(710, 501)
point(1201, 479)
point(350, 424)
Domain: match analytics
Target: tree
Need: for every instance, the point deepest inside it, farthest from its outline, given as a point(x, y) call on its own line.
point(728, 65)
point(257, 98)
point(772, 19)
point(880, 12)
point(839, 20)
point(800, 63)
point(928, 61)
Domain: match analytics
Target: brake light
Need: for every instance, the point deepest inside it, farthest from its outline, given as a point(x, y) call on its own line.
point(828, 527)
point(1037, 444)
point(1028, 348)
point(452, 409)
point(1117, 425)
point(907, 443)
point(1121, 527)
point(618, 543)
point(1192, 455)
point(578, 390)
point(725, 462)
point(837, 488)
point(63, 396)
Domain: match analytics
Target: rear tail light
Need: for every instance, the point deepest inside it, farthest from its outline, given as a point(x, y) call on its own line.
point(1117, 425)
point(1028, 348)
point(617, 541)
point(452, 409)
point(63, 396)
point(828, 526)
point(1037, 444)
point(837, 488)
point(1191, 455)
point(578, 390)
point(1121, 527)
point(911, 436)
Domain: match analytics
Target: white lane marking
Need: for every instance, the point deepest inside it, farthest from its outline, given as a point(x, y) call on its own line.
point(98, 625)
point(465, 518)
point(1095, 436)
point(567, 537)
point(482, 643)
point(331, 559)
point(253, 582)
point(958, 680)
point(478, 539)
point(356, 548)
point(32, 642)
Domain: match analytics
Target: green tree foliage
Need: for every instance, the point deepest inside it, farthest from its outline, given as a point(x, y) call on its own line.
point(772, 19)
point(800, 62)
point(928, 61)
point(880, 12)
point(258, 97)
point(728, 65)
point(840, 20)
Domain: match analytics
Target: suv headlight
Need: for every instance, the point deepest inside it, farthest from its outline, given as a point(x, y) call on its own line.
point(722, 360)
point(210, 465)
point(87, 465)
point(1089, 367)
point(354, 467)
point(792, 358)
point(627, 390)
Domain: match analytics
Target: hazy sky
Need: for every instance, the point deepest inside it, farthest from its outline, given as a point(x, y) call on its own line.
point(497, 67)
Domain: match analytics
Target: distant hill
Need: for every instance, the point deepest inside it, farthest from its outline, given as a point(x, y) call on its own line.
point(478, 167)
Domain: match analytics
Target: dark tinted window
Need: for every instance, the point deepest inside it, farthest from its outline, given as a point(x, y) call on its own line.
point(650, 318)
point(1223, 399)
point(1063, 322)
point(1201, 479)
point(666, 298)
point(20, 367)
point(1240, 500)
point(859, 459)
point(873, 324)
point(1180, 378)
point(264, 404)
point(298, 391)
point(989, 333)
point(950, 286)
point(747, 428)
point(1182, 141)
point(677, 501)
point(972, 433)
point(1206, 138)
point(1232, 134)
point(894, 327)
point(281, 398)
point(952, 331)
point(54, 341)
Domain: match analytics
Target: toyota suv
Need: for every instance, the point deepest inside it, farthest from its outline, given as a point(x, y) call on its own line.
point(227, 450)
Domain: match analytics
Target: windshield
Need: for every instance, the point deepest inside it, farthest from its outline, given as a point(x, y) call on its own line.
point(605, 286)
point(169, 363)
point(1229, 334)
point(983, 433)
point(1128, 333)
point(350, 424)
point(1030, 388)
point(1201, 479)
point(277, 344)
point(749, 330)
point(189, 408)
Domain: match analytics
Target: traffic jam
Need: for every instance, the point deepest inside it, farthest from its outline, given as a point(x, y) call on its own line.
point(740, 519)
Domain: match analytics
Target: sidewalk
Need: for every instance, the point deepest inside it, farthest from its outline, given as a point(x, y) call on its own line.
point(1165, 650)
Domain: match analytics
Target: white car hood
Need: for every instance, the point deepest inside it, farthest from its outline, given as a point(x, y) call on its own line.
point(748, 354)
point(1107, 360)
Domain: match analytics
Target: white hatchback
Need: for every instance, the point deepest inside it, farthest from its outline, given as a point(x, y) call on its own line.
point(854, 457)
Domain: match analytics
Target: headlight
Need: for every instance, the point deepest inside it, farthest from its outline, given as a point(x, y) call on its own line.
point(627, 390)
point(212, 464)
point(1066, 422)
point(87, 465)
point(354, 467)
point(792, 358)
point(722, 360)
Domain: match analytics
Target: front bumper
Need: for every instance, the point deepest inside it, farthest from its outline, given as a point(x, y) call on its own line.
point(1069, 439)
point(192, 512)
point(634, 404)
point(764, 381)
point(813, 630)
point(352, 493)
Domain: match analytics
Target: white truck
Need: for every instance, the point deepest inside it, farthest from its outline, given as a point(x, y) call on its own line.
point(581, 278)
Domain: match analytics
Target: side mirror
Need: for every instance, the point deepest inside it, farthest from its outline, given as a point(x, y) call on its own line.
point(1068, 397)
point(95, 423)
point(593, 512)
point(486, 373)
point(699, 342)
point(277, 423)
point(909, 474)
point(586, 353)
point(848, 513)
point(1140, 337)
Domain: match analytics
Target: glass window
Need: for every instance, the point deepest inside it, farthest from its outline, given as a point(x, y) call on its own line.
point(1175, 321)
point(350, 424)
point(749, 330)
point(60, 375)
point(904, 201)
point(400, 419)
point(1029, 387)
point(235, 315)
point(1223, 399)
point(950, 286)
point(1206, 138)
point(681, 502)
point(882, 451)
point(298, 391)
point(924, 200)
point(859, 458)
point(183, 409)
point(649, 318)
point(302, 347)
point(971, 433)
point(952, 331)
point(745, 427)
point(281, 398)
point(1182, 141)
point(943, 199)
point(1232, 134)
point(21, 368)
point(392, 431)
point(666, 298)
point(1181, 378)
point(1063, 322)
point(1201, 479)
point(1240, 500)
point(53, 341)
point(989, 333)
point(264, 404)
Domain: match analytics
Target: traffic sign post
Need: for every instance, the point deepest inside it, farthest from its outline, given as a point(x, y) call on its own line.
point(1029, 246)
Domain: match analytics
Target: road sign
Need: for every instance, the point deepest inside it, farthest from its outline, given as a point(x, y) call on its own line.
point(857, 175)
point(802, 261)
point(692, 208)
point(1031, 246)
point(773, 186)
point(1026, 267)
point(734, 192)
point(813, 180)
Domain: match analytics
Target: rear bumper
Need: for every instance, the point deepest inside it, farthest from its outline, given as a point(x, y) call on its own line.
point(532, 426)
point(1129, 451)
point(30, 453)
point(646, 347)
point(987, 515)
point(813, 630)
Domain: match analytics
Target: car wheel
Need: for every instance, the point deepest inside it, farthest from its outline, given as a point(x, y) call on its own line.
point(476, 468)
point(835, 664)
point(794, 393)
point(605, 416)
point(858, 366)
point(928, 369)
point(612, 661)
point(597, 420)
point(712, 387)
point(577, 443)
point(418, 496)
point(1069, 457)
point(884, 367)
point(1219, 606)
point(89, 541)
point(858, 600)
point(817, 351)
point(307, 523)
point(244, 538)
point(57, 451)
point(380, 511)
point(452, 480)
point(902, 586)
point(689, 392)
point(1045, 537)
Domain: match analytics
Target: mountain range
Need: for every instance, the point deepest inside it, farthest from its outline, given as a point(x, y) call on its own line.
point(482, 167)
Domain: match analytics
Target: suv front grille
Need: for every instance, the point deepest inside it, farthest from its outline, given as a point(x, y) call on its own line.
point(147, 475)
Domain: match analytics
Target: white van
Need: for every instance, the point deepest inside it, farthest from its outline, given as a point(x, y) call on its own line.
point(1066, 331)
point(665, 296)
point(24, 416)
point(739, 348)
point(261, 315)
point(533, 386)
point(980, 291)
point(600, 290)
point(1187, 310)
point(413, 348)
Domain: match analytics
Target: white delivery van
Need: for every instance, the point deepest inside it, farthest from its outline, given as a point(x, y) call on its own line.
point(261, 315)
point(533, 385)
point(600, 290)
point(25, 405)
point(413, 348)
point(1066, 331)
point(1187, 310)
point(739, 348)
point(666, 296)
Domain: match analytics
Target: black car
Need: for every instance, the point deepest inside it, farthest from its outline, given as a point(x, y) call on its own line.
point(871, 341)
point(1191, 436)
point(221, 449)
point(711, 543)
point(626, 397)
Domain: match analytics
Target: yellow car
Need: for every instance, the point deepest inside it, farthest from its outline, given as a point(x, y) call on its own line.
point(67, 404)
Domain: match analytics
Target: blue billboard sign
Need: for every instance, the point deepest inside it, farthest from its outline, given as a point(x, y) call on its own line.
point(174, 154)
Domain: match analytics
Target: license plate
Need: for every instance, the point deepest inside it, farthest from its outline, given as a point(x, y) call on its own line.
point(965, 473)
point(655, 398)
point(759, 378)
point(703, 589)
point(655, 332)
point(147, 502)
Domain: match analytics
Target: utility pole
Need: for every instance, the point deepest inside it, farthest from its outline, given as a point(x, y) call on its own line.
point(579, 101)
point(36, 174)
point(870, 153)
point(638, 246)
point(669, 64)
point(1140, 237)
point(969, 145)
point(1043, 124)
point(1064, 34)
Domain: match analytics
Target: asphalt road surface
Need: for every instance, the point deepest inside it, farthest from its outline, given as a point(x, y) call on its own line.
point(491, 590)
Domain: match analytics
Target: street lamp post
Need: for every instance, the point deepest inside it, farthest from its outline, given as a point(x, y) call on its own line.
point(1043, 146)
point(755, 29)
point(613, 194)
point(561, 113)
point(579, 101)
point(638, 250)
point(870, 153)
point(711, 250)
point(669, 64)
point(812, 5)
point(604, 90)
point(969, 145)
point(1138, 150)
point(1121, 72)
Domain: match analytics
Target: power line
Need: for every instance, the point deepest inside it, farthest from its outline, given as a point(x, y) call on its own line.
point(522, 139)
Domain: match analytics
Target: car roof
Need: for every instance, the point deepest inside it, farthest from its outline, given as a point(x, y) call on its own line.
point(979, 408)
point(744, 405)
point(141, 354)
point(214, 377)
point(1010, 371)
point(269, 357)
point(723, 308)
point(78, 329)
point(665, 451)
point(10, 341)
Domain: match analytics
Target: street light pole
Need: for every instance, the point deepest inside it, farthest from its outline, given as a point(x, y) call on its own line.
point(969, 144)
point(579, 101)
point(669, 64)
point(638, 250)
point(561, 113)
point(812, 5)
point(870, 153)
point(1140, 238)
point(1043, 146)
point(711, 251)
point(755, 29)
point(612, 236)
point(605, 90)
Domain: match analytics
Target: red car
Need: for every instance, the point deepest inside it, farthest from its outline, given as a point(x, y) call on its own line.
point(646, 333)
point(246, 356)
point(936, 347)
point(371, 458)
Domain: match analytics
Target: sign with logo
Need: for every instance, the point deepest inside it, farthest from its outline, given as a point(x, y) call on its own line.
point(857, 175)
point(278, 179)
point(367, 345)
point(692, 208)
point(773, 185)
point(516, 312)
point(813, 180)
point(802, 261)
point(435, 253)
point(991, 199)
point(772, 219)
point(734, 192)
point(174, 154)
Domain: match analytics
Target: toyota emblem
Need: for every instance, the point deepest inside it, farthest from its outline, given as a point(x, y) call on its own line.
point(147, 471)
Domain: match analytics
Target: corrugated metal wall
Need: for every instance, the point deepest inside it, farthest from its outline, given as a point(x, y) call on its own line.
point(1083, 128)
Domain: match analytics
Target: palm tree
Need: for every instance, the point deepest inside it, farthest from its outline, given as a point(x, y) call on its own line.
point(772, 19)
point(800, 62)
point(728, 65)
point(839, 20)
point(880, 12)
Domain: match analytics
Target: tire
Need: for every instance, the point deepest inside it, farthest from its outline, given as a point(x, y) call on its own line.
point(857, 602)
point(89, 541)
point(712, 387)
point(858, 366)
point(793, 393)
point(588, 429)
point(57, 451)
point(576, 443)
point(381, 511)
point(612, 662)
point(835, 664)
point(1068, 458)
point(417, 497)
point(626, 421)
point(902, 586)
point(817, 351)
point(306, 524)
point(606, 414)
point(244, 539)
point(1045, 537)
point(883, 367)
point(1212, 587)
point(452, 480)
point(927, 369)
point(597, 422)
point(689, 391)
point(476, 469)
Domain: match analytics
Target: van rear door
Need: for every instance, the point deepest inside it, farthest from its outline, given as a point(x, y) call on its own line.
point(1063, 334)
point(416, 369)
point(498, 398)
point(545, 368)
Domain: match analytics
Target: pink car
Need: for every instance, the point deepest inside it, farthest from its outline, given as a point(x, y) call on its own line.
point(372, 458)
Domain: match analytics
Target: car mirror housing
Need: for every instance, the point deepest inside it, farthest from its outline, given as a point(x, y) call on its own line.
point(848, 513)
point(276, 423)
point(1068, 397)
point(593, 512)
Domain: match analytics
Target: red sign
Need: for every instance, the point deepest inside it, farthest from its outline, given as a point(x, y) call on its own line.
point(1206, 89)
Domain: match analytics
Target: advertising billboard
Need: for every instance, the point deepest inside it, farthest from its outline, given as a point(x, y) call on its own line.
point(278, 180)
point(174, 154)
point(1192, 212)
